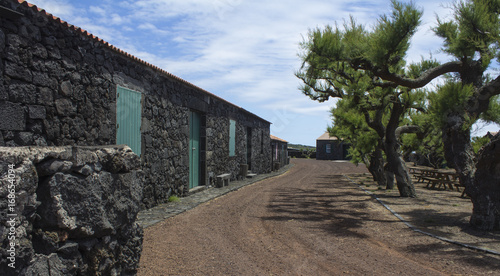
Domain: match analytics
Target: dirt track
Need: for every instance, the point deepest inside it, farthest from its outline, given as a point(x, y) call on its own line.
point(309, 221)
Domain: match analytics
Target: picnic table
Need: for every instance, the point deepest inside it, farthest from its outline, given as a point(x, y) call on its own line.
point(435, 177)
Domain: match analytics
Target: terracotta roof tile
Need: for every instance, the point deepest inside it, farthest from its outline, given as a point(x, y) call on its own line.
point(277, 139)
point(326, 136)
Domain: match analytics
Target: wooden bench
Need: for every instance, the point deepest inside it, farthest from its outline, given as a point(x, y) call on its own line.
point(223, 180)
point(418, 176)
point(433, 181)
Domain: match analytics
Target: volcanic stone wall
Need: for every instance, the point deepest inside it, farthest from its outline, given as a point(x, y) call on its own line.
point(58, 87)
point(217, 154)
point(70, 210)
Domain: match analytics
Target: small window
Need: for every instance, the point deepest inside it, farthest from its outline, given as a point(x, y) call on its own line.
point(328, 148)
point(232, 137)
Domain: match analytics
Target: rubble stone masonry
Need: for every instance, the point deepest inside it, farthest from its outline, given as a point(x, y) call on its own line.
point(58, 88)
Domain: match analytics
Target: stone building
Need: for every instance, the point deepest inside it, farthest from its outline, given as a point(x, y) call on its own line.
point(490, 134)
point(279, 152)
point(330, 148)
point(60, 86)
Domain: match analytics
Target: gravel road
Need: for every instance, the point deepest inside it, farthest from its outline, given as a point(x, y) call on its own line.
point(308, 221)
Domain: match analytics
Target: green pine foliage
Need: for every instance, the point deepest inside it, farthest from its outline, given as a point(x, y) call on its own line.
point(366, 69)
point(427, 143)
point(479, 142)
point(474, 28)
point(492, 115)
point(450, 98)
point(350, 126)
point(390, 39)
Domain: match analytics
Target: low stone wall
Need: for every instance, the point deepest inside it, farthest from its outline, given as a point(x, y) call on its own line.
point(70, 210)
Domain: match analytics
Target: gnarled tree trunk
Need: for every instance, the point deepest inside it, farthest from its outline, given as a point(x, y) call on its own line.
point(460, 155)
point(485, 191)
point(389, 178)
point(481, 179)
point(395, 160)
point(376, 166)
point(397, 165)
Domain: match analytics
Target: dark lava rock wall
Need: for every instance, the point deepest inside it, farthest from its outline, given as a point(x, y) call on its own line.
point(70, 210)
point(58, 87)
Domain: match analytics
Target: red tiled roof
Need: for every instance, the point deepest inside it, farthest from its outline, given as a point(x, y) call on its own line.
point(326, 136)
point(277, 139)
point(87, 34)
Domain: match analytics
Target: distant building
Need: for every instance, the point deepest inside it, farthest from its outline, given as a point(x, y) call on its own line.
point(330, 148)
point(279, 152)
point(491, 134)
point(294, 153)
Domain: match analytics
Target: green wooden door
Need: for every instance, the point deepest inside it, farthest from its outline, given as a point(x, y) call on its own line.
point(128, 118)
point(249, 148)
point(194, 149)
point(232, 137)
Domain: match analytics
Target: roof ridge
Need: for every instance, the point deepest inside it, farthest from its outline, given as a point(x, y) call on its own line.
point(326, 136)
point(277, 138)
point(128, 55)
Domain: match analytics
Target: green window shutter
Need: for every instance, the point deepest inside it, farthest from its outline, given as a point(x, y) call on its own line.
point(232, 137)
point(128, 119)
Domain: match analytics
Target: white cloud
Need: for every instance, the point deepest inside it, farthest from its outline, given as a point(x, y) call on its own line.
point(153, 29)
point(97, 10)
point(116, 19)
point(160, 9)
point(60, 8)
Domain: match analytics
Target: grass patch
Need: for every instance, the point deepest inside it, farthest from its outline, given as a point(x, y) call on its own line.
point(174, 199)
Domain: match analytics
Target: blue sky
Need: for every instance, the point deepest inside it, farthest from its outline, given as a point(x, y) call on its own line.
point(243, 51)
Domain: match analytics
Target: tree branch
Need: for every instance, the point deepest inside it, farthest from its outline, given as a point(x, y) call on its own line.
point(331, 91)
point(484, 95)
point(406, 129)
point(424, 79)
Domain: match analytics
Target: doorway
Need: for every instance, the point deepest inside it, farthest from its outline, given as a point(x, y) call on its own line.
point(249, 148)
point(194, 149)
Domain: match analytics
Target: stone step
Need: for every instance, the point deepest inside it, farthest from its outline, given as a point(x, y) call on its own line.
point(251, 175)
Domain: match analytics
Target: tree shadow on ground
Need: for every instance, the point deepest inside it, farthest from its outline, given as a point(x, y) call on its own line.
point(432, 221)
point(334, 206)
point(470, 257)
point(340, 209)
point(424, 217)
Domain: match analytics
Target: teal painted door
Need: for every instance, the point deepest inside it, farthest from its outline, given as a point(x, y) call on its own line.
point(232, 137)
point(128, 119)
point(194, 149)
point(249, 148)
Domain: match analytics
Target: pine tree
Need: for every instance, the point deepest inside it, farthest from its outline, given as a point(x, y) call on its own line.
point(334, 59)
